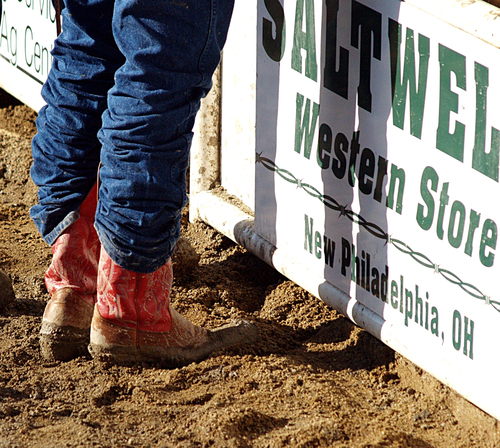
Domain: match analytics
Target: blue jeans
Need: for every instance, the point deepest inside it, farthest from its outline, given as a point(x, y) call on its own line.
point(125, 85)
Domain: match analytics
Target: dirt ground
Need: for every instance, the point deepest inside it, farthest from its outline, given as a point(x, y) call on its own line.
point(313, 379)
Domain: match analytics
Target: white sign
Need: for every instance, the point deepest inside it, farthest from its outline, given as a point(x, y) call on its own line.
point(380, 170)
point(27, 33)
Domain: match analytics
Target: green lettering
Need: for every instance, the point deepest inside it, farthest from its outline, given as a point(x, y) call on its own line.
point(305, 40)
point(401, 85)
point(324, 146)
point(443, 202)
point(456, 240)
point(304, 131)
point(397, 174)
point(468, 337)
point(308, 233)
point(485, 163)
point(434, 321)
point(450, 143)
point(317, 245)
point(474, 218)
point(488, 239)
point(457, 330)
point(273, 32)
point(394, 294)
point(425, 220)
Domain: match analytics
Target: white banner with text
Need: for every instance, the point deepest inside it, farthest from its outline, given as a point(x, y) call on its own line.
point(378, 165)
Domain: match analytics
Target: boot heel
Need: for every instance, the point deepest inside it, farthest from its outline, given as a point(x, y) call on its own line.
point(65, 330)
point(62, 343)
point(111, 343)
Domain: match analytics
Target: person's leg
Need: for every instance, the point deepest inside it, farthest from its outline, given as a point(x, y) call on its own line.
point(171, 51)
point(66, 155)
point(71, 281)
point(66, 150)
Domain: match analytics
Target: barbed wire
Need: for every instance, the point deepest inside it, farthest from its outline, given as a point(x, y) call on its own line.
point(376, 231)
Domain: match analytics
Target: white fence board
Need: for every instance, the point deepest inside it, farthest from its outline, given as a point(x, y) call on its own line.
point(27, 33)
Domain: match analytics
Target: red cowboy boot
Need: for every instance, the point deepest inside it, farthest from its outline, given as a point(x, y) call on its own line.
point(134, 322)
point(71, 281)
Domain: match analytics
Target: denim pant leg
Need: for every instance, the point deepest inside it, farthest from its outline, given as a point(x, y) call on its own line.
point(66, 150)
point(171, 50)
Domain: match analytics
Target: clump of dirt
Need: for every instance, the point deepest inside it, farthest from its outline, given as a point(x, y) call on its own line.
point(7, 295)
point(185, 259)
point(313, 379)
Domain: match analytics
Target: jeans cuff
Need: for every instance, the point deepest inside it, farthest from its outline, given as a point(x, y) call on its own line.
point(71, 218)
point(130, 260)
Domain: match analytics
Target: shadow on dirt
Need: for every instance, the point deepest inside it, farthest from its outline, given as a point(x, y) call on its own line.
point(291, 321)
point(333, 346)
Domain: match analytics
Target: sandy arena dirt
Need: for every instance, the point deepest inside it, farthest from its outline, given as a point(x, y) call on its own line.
point(313, 380)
